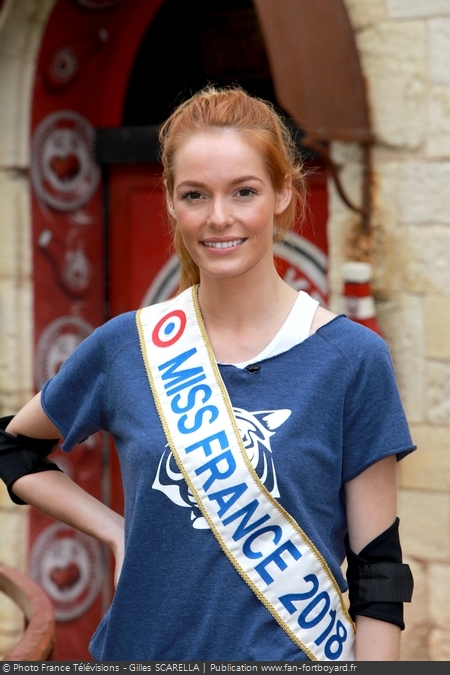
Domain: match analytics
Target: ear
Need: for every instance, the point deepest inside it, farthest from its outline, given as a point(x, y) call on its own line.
point(284, 196)
point(170, 206)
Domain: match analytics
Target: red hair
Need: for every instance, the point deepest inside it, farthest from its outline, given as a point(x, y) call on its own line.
point(213, 109)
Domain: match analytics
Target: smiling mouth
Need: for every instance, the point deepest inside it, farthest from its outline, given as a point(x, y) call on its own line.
point(223, 244)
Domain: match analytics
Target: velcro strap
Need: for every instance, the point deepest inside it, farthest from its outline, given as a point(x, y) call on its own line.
point(41, 446)
point(385, 582)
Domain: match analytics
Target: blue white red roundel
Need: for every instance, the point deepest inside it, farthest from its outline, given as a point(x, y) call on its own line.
point(169, 329)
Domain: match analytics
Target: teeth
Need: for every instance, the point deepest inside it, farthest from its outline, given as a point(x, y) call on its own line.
point(223, 244)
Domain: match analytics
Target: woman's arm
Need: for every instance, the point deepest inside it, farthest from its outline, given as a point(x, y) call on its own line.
point(371, 501)
point(57, 495)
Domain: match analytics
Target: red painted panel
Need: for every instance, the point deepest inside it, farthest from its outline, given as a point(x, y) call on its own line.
point(82, 72)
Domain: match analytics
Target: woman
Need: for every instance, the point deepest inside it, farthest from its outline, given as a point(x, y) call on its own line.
point(240, 481)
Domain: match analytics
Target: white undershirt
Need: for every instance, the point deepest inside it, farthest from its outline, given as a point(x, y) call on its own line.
point(295, 329)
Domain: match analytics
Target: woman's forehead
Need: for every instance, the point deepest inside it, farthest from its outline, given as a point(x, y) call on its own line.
point(218, 148)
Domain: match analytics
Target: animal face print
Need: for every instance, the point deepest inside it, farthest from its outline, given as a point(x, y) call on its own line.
point(256, 429)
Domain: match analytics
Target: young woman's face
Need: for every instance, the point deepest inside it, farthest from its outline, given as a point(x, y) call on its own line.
point(224, 203)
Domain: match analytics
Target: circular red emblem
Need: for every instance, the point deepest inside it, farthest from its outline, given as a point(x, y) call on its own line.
point(67, 564)
point(56, 343)
point(169, 329)
point(63, 170)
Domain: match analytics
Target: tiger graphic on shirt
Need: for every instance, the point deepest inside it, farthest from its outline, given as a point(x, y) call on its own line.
point(256, 429)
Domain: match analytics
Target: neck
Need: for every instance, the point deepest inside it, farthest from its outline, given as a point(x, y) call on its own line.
point(240, 300)
point(243, 314)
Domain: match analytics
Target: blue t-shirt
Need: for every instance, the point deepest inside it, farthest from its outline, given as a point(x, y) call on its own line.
point(312, 418)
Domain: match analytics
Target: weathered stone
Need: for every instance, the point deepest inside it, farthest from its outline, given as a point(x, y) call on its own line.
point(439, 645)
point(341, 219)
point(9, 636)
point(403, 9)
point(13, 526)
point(422, 192)
point(387, 238)
point(438, 127)
point(12, 401)
point(425, 524)
point(13, 114)
point(21, 32)
point(363, 13)
point(437, 326)
point(438, 400)
point(393, 56)
point(439, 596)
point(414, 645)
point(5, 502)
point(424, 258)
point(429, 467)
point(15, 251)
point(15, 335)
point(439, 50)
point(402, 324)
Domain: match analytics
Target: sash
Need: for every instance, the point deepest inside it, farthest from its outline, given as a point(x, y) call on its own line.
point(262, 541)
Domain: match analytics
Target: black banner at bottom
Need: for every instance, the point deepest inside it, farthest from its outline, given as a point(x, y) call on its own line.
point(222, 667)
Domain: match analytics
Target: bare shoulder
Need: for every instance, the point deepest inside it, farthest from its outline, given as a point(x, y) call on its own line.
point(321, 317)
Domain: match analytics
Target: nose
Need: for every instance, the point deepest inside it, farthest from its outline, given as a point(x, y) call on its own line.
point(220, 215)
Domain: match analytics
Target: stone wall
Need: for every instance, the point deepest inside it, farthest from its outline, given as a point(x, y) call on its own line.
point(404, 47)
point(20, 30)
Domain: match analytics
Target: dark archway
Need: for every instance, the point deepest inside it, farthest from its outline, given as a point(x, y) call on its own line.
point(189, 45)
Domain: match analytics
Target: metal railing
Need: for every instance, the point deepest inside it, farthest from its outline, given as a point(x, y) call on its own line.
point(38, 641)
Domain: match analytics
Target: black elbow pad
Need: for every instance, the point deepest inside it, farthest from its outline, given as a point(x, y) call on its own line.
point(22, 455)
point(379, 583)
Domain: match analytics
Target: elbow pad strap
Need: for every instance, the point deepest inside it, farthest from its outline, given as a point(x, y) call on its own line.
point(22, 455)
point(378, 581)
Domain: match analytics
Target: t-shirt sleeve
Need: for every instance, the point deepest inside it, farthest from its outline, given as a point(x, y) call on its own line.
point(375, 424)
point(74, 398)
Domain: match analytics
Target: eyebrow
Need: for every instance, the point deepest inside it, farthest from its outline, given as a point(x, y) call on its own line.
point(235, 181)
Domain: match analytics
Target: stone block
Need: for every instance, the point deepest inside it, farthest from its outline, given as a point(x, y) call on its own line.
point(439, 50)
point(422, 192)
point(12, 146)
point(428, 468)
point(405, 9)
point(15, 335)
point(342, 219)
point(439, 596)
point(9, 639)
point(437, 327)
point(14, 529)
point(424, 256)
point(407, 347)
point(387, 237)
point(12, 401)
point(425, 525)
point(364, 13)
point(438, 400)
point(439, 645)
point(393, 56)
point(438, 127)
point(19, 44)
point(15, 251)
point(414, 643)
point(5, 502)
point(23, 27)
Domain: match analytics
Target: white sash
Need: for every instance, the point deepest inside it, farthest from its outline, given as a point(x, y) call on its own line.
point(263, 542)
